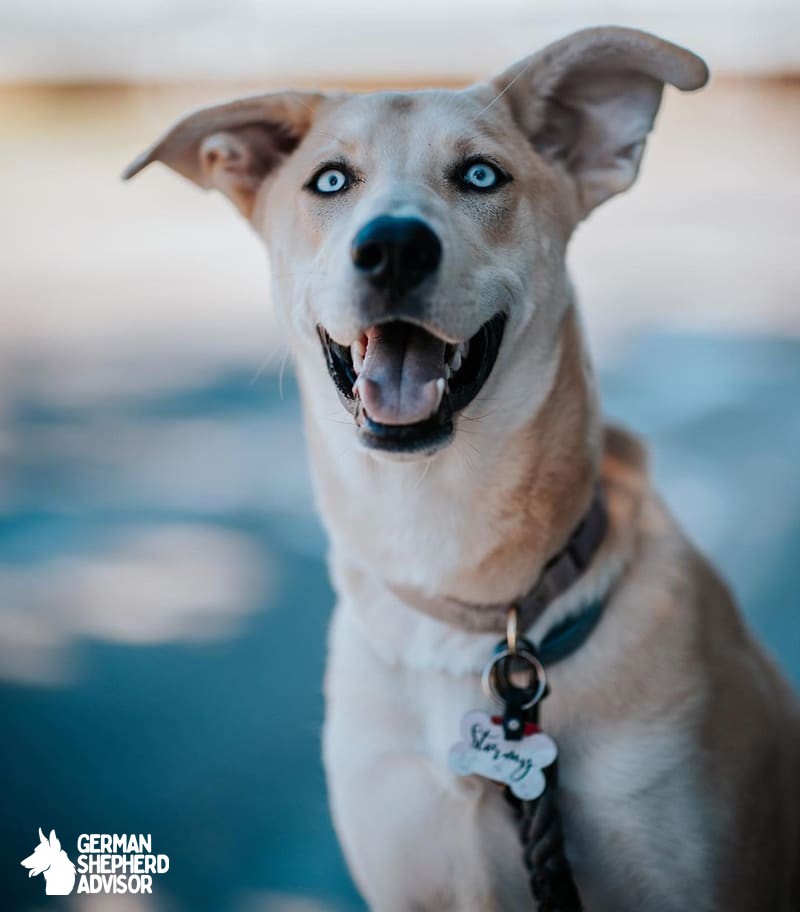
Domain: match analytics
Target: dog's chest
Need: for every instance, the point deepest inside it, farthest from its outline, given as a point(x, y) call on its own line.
point(388, 733)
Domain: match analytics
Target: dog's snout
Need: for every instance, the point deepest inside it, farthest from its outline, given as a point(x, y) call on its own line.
point(396, 254)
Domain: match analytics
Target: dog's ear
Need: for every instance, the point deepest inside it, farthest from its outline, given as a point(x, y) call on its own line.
point(55, 843)
point(42, 837)
point(588, 101)
point(232, 147)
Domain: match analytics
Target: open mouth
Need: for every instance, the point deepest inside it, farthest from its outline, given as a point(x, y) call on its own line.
point(403, 384)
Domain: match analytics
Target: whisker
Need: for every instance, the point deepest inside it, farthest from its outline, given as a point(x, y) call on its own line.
point(311, 108)
point(478, 417)
point(424, 472)
point(335, 419)
point(259, 372)
point(503, 92)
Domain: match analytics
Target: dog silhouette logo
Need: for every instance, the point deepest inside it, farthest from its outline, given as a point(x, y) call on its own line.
point(50, 859)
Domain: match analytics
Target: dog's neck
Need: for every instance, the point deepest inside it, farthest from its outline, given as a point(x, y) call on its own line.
point(478, 522)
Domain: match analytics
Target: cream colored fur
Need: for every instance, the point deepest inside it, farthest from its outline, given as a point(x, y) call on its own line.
point(678, 738)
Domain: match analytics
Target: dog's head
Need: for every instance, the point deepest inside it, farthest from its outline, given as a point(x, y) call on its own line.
point(417, 240)
point(43, 856)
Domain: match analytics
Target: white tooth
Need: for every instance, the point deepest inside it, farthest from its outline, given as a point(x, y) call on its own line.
point(357, 352)
point(456, 360)
point(463, 348)
point(440, 386)
point(448, 373)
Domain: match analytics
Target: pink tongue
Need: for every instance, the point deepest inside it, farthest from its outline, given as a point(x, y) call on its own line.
point(397, 383)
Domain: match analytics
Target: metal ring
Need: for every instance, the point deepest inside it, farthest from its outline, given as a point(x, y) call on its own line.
point(488, 678)
point(511, 629)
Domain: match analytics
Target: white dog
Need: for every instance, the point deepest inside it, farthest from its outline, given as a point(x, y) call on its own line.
point(50, 859)
point(418, 250)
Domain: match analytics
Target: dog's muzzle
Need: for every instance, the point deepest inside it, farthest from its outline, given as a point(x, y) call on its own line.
point(401, 380)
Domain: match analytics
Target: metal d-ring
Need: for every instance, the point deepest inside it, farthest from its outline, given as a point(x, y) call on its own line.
point(511, 629)
point(525, 651)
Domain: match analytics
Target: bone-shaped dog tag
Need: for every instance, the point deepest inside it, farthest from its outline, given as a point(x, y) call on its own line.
point(484, 751)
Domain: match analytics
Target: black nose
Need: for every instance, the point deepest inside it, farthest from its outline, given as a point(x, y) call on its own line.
point(396, 254)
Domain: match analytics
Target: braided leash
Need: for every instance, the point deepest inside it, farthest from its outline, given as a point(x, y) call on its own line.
point(541, 834)
point(552, 884)
point(550, 874)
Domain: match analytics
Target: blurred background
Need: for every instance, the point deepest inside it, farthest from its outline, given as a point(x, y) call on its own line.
point(160, 561)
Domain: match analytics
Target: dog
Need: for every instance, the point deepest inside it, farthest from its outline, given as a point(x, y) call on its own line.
point(49, 858)
point(417, 243)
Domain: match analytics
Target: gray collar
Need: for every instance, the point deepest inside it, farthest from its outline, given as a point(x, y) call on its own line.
point(559, 573)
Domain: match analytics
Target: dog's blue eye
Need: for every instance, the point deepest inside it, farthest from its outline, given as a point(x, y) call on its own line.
point(481, 175)
point(331, 180)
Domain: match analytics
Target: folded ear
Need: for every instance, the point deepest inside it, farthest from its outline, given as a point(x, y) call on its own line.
point(232, 147)
point(587, 103)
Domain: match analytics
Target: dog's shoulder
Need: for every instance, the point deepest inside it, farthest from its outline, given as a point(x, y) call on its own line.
point(624, 454)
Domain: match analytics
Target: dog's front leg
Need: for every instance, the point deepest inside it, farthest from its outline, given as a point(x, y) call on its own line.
point(415, 836)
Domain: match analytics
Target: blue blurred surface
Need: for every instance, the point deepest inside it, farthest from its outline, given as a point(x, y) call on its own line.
point(212, 744)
